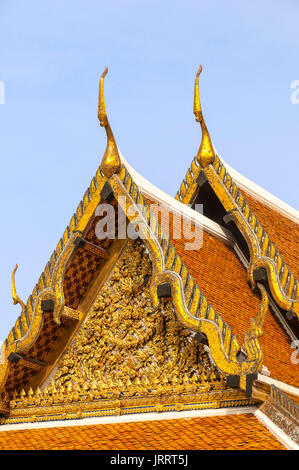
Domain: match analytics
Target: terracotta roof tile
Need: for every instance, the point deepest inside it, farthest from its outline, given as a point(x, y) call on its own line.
point(237, 432)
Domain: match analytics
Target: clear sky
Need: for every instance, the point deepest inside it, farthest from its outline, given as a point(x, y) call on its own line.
point(52, 53)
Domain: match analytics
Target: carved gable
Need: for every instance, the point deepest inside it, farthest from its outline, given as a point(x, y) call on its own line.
point(124, 341)
point(127, 357)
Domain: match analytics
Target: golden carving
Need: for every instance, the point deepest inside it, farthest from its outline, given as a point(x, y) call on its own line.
point(206, 152)
point(16, 299)
point(126, 344)
point(111, 162)
point(79, 404)
point(250, 342)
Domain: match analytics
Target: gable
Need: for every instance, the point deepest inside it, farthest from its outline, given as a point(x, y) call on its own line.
point(123, 339)
point(128, 357)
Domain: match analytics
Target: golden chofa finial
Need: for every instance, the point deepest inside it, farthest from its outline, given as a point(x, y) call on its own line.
point(111, 162)
point(206, 153)
point(16, 299)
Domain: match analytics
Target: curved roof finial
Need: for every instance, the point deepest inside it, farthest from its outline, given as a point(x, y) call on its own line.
point(16, 299)
point(111, 162)
point(206, 152)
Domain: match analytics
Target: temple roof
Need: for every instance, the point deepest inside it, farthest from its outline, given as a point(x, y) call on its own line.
point(235, 294)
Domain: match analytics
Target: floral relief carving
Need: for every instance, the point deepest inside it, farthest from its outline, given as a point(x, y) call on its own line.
point(124, 342)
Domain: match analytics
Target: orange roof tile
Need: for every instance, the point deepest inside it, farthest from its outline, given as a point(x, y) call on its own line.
point(236, 432)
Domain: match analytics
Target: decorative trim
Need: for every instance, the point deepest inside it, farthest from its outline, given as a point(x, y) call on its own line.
point(286, 403)
point(71, 313)
point(272, 303)
point(129, 418)
point(71, 403)
point(276, 431)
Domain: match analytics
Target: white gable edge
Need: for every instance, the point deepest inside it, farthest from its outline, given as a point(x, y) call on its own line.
point(244, 183)
point(261, 194)
point(281, 385)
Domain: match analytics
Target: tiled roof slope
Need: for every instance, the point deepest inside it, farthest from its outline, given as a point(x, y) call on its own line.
point(236, 432)
point(222, 278)
point(283, 231)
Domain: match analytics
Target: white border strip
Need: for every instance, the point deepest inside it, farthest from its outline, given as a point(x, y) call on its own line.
point(262, 194)
point(131, 418)
point(276, 431)
point(159, 196)
point(281, 385)
point(244, 183)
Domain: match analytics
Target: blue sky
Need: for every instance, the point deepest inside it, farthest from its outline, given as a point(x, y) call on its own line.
point(51, 56)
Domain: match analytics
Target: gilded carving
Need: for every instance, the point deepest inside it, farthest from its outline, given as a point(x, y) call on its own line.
point(111, 162)
point(16, 299)
point(125, 343)
point(206, 152)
